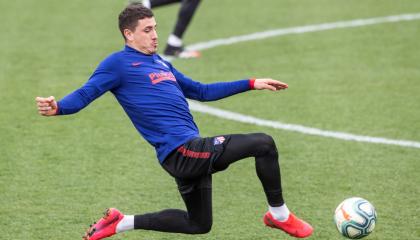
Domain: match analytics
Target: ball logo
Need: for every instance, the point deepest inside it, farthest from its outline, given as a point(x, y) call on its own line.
point(345, 214)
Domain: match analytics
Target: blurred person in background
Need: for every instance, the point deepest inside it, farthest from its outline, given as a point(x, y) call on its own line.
point(174, 46)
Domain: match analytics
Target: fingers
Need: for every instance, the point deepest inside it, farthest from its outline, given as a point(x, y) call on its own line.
point(44, 102)
point(269, 84)
point(269, 87)
point(47, 111)
point(51, 98)
point(42, 99)
point(277, 84)
point(46, 106)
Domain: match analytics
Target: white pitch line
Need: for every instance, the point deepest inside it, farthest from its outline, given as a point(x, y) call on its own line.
point(198, 107)
point(303, 29)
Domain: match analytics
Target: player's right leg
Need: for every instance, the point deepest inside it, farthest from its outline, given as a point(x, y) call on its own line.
point(196, 220)
point(263, 148)
point(105, 226)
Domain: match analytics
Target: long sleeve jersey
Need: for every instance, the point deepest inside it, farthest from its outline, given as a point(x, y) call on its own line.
point(153, 94)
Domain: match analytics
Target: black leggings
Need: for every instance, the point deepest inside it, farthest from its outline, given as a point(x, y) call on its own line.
point(263, 148)
point(198, 217)
point(196, 220)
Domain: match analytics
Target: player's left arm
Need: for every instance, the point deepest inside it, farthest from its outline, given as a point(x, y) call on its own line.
point(214, 91)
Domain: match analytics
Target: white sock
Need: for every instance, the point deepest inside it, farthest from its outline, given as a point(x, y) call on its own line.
point(279, 213)
point(146, 3)
point(174, 41)
point(127, 223)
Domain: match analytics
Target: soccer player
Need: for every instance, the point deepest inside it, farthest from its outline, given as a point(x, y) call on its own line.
point(174, 46)
point(153, 94)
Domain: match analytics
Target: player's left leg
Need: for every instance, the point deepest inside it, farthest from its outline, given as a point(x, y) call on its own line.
point(263, 148)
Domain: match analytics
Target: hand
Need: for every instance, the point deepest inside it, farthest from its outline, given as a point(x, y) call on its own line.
point(270, 84)
point(46, 106)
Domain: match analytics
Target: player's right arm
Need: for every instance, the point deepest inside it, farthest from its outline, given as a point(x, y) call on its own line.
point(105, 78)
point(46, 106)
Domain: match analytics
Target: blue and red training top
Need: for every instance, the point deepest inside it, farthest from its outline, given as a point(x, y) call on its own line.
point(153, 94)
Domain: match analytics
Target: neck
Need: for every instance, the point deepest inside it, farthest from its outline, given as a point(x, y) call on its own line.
point(138, 49)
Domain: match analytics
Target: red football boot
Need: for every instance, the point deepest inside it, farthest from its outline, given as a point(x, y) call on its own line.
point(293, 226)
point(105, 227)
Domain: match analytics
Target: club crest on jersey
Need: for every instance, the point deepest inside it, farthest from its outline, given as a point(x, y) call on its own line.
point(218, 140)
point(161, 76)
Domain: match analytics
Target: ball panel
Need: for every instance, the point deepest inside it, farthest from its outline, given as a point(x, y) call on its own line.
point(371, 226)
point(353, 232)
point(367, 208)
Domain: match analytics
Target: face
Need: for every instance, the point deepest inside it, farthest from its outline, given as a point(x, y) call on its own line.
point(144, 38)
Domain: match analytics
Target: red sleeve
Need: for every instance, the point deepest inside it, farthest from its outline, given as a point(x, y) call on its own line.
point(251, 83)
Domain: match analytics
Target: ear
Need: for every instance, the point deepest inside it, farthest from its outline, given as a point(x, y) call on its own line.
point(128, 34)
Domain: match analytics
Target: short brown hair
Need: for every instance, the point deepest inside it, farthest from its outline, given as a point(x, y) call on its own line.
point(129, 17)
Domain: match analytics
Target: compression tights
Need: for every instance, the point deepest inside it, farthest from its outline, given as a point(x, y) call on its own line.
point(198, 217)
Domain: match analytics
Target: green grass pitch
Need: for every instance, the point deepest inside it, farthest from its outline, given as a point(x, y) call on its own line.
point(58, 174)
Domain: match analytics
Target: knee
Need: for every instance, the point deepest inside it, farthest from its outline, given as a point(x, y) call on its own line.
point(266, 144)
point(266, 140)
point(203, 228)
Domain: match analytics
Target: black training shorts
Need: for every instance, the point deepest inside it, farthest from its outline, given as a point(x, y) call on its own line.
point(191, 164)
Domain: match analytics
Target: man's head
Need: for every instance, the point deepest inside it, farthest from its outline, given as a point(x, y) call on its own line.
point(138, 27)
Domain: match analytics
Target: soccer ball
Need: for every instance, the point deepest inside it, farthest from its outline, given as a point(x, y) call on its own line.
point(355, 218)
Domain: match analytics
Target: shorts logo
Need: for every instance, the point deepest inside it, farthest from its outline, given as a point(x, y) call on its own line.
point(218, 140)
